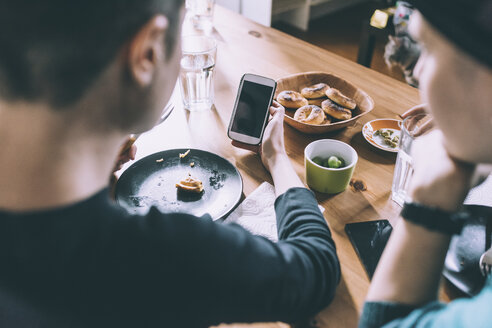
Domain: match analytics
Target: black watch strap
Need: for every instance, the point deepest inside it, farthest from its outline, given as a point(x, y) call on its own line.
point(434, 218)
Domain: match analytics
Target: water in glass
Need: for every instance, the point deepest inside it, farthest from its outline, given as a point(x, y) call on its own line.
point(196, 80)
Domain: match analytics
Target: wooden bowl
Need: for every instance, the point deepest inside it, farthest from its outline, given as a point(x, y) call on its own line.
point(297, 82)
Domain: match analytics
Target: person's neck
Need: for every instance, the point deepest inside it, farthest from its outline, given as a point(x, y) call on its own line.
point(50, 159)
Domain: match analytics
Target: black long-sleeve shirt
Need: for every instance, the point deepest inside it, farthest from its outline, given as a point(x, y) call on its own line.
point(92, 264)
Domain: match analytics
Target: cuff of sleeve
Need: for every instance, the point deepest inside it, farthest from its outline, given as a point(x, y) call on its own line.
point(295, 197)
point(377, 314)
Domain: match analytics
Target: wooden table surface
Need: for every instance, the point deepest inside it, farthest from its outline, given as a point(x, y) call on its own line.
point(247, 47)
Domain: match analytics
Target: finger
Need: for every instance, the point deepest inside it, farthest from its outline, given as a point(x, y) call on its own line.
point(132, 152)
point(275, 107)
point(276, 104)
point(279, 112)
point(416, 110)
point(424, 128)
point(127, 145)
point(411, 122)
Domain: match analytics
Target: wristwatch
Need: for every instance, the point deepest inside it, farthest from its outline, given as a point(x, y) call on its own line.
point(435, 219)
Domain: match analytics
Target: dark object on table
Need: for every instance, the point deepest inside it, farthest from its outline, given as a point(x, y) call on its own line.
point(461, 265)
point(152, 180)
point(369, 240)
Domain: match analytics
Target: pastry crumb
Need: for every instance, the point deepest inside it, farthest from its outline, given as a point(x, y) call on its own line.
point(160, 160)
point(358, 185)
point(181, 156)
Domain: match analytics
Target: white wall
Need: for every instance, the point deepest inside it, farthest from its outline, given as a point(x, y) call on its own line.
point(234, 5)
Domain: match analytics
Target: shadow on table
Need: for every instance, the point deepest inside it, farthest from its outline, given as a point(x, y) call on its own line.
point(342, 310)
point(208, 130)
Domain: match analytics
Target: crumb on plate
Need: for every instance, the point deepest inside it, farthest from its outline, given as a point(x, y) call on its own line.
point(181, 156)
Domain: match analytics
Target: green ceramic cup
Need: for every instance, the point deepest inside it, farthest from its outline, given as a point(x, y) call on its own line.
point(328, 180)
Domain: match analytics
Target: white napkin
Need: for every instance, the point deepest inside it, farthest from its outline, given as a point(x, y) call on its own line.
point(257, 212)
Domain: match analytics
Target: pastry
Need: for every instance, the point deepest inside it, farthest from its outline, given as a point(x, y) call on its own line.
point(339, 98)
point(316, 101)
point(327, 120)
point(190, 184)
point(335, 110)
point(315, 91)
point(291, 99)
point(310, 114)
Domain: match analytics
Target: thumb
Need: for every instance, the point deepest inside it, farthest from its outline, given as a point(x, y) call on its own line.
point(279, 113)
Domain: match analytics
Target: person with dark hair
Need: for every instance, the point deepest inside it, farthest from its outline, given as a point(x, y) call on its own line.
point(455, 75)
point(76, 77)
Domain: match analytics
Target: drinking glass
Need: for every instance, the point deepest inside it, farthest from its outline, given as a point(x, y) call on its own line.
point(201, 13)
point(411, 128)
point(197, 72)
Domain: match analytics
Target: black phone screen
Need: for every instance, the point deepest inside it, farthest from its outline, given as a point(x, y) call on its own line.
point(252, 109)
point(369, 240)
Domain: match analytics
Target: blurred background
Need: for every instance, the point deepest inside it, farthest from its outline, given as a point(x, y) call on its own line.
point(358, 30)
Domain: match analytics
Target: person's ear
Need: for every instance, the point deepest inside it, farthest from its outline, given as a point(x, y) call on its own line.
point(147, 49)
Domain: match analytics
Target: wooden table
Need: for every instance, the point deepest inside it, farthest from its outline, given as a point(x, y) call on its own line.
point(244, 46)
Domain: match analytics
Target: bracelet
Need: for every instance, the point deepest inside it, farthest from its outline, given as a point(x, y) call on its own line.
point(435, 219)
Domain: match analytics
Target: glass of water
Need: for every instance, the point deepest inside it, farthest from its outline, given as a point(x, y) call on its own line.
point(411, 128)
point(197, 72)
point(201, 14)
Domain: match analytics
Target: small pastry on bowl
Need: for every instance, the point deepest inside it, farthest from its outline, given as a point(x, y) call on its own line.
point(310, 114)
point(317, 101)
point(315, 91)
point(326, 121)
point(336, 96)
point(336, 111)
point(291, 99)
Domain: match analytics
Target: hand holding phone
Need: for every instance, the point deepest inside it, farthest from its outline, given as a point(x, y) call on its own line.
point(251, 109)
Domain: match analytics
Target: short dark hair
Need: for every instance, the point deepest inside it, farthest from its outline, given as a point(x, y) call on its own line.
point(52, 50)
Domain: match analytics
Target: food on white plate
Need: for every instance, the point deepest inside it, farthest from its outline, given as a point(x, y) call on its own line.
point(389, 137)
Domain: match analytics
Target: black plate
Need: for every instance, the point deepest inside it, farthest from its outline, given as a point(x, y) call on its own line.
point(151, 182)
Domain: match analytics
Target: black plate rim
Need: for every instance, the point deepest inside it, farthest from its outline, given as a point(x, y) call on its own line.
point(126, 172)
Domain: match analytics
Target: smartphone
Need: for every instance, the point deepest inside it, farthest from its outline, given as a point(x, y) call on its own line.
point(369, 240)
point(251, 109)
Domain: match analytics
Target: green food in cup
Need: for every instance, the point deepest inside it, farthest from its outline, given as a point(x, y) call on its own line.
point(332, 162)
point(318, 160)
point(324, 179)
